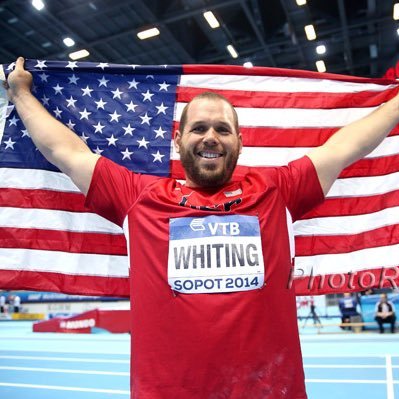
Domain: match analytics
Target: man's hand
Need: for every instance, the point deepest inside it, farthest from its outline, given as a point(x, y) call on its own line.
point(19, 81)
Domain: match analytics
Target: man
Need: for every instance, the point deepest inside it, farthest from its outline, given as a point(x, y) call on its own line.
point(348, 308)
point(210, 259)
point(385, 313)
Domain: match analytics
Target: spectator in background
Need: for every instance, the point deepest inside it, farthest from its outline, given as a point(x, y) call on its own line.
point(16, 303)
point(385, 313)
point(2, 304)
point(348, 308)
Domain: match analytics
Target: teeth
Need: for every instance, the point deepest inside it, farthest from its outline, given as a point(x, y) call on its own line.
point(209, 155)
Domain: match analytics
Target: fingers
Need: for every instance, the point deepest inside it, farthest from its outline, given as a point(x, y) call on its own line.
point(19, 64)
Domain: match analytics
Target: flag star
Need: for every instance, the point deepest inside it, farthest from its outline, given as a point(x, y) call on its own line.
point(145, 119)
point(87, 91)
point(117, 93)
point(9, 143)
point(58, 89)
point(161, 109)
point(134, 66)
point(160, 132)
point(147, 95)
point(25, 133)
point(112, 140)
point(131, 106)
point(103, 82)
point(98, 151)
point(163, 86)
point(45, 100)
point(43, 77)
point(149, 77)
point(157, 156)
point(126, 153)
point(72, 64)
point(11, 66)
point(57, 113)
point(41, 64)
point(71, 102)
point(84, 137)
point(73, 79)
point(102, 65)
point(143, 142)
point(128, 129)
point(165, 65)
point(70, 124)
point(114, 116)
point(133, 83)
point(13, 121)
point(100, 104)
point(84, 114)
point(99, 128)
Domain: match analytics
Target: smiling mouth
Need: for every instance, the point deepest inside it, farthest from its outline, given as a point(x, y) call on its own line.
point(209, 155)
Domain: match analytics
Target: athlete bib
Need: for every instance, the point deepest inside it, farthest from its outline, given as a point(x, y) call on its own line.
point(215, 254)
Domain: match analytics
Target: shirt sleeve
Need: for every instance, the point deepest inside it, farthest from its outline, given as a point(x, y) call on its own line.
point(114, 189)
point(300, 186)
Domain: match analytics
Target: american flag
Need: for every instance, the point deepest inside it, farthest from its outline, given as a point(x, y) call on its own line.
point(50, 242)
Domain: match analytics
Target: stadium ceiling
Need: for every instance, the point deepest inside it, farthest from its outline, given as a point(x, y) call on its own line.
point(360, 36)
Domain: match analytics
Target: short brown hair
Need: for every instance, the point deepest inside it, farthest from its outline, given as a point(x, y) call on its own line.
point(208, 95)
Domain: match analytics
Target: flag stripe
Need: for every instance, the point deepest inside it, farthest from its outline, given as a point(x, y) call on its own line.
point(64, 241)
point(269, 99)
point(64, 262)
point(335, 244)
point(51, 219)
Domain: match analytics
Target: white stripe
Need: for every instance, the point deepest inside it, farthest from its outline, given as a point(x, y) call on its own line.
point(294, 117)
point(353, 224)
point(36, 179)
point(66, 359)
point(64, 388)
point(3, 103)
point(63, 262)
point(278, 156)
point(335, 381)
point(280, 84)
point(343, 366)
point(66, 371)
point(390, 387)
point(356, 261)
point(31, 218)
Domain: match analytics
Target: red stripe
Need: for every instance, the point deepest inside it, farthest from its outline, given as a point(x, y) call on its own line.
point(336, 244)
point(303, 100)
point(42, 199)
point(381, 277)
point(287, 137)
point(354, 205)
point(263, 71)
point(65, 241)
point(64, 283)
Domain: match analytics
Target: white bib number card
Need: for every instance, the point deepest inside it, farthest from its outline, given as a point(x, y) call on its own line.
point(215, 254)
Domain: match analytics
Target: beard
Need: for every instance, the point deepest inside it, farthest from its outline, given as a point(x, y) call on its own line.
point(208, 175)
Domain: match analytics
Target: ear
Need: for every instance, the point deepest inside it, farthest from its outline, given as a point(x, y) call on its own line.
point(177, 141)
point(240, 141)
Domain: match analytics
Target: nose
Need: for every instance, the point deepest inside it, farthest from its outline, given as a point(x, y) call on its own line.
point(210, 137)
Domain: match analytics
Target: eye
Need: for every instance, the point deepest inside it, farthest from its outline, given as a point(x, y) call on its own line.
point(223, 129)
point(198, 129)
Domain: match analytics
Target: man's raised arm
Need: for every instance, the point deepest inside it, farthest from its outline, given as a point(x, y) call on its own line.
point(353, 142)
point(56, 142)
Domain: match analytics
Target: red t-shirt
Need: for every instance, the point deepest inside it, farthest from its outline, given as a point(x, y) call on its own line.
point(220, 345)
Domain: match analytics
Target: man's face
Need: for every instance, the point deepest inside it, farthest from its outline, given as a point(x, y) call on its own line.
point(383, 298)
point(209, 146)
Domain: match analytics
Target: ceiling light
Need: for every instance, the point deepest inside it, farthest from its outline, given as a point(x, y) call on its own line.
point(38, 4)
point(321, 66)
point(397, 31)
point(321, 49)
point(396, 11)
point(79, 54)
point(310, 32)
point(146, 34)
point(248, 64)
point(69, 42)
point(211, 19)
point(301, 2)
point(232, 51)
